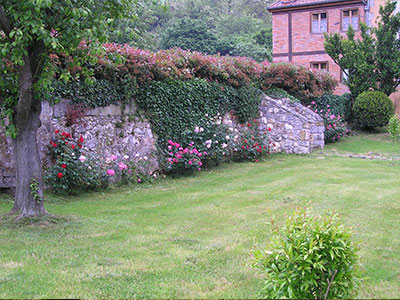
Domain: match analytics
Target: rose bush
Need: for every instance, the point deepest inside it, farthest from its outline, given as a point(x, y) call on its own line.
point(335, 126)
point(74, 169)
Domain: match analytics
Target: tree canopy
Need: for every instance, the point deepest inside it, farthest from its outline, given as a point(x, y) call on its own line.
point(372, 62)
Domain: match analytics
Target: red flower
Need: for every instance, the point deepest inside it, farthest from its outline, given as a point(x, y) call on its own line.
point(60, 175)
point(79, 145)
point(73, 146)
point(256, 160)
point(81, 139)
point(64, 166)
point(269, 129)
point(57, 131)
point(54, 145)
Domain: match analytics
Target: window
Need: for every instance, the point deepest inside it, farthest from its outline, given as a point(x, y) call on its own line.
point(321, 65)
point(350, 18)
point(319, 23)
point(344, 76)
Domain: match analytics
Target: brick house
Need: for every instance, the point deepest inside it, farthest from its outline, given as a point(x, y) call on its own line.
point(298, 28)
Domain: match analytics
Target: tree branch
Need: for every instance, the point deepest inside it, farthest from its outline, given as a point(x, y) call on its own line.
point(330, 284)
point(5, 24)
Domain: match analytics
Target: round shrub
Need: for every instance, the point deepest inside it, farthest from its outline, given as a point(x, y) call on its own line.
point(309, 258)
point(373, 109)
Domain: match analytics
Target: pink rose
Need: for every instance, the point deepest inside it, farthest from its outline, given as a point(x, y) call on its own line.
point(139, 180)
point(122, 166)
point(200, 163)
point(199, 155)
point(190, 162)
point(110, 172)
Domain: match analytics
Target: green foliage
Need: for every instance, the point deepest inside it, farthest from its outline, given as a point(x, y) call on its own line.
point(372, 61)
point(337, 105)
point(394, 128)
point(177, 108)
point(373, 109)
point(227, 27)
point(309, 258)
point(190, 34)
point(73, 171)
point(99, 93)
point(277, 93)
point(34, 186)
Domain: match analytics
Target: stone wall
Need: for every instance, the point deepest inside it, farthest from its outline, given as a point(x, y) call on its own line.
point(295, 128)
point(113, 131)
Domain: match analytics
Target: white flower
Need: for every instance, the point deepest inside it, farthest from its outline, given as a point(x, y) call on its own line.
point(218, 122)
point(196, 129)
point(201, 129)
point(145, 158)
point(82, 158)
point(208, 142)
point(230, 128)
point(228, 137)
point(126, 157)
point(137, 155)
point(206, 115)
point(216, 142)
point(224, 145)
point(208, 146)
point(155, 175)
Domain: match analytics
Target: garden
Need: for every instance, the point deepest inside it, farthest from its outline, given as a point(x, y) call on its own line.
point(215, 208)
point(195, 236)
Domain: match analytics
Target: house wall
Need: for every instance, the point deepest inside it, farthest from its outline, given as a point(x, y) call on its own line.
point(294, 42)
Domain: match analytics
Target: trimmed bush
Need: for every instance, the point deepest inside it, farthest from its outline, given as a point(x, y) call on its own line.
point(298, 81)
point(309, 258)
point(373, 109)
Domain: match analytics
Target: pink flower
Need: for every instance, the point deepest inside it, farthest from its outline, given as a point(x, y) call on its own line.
point(169, 147)
point(170, 142)
point(113, 157)
point(186, 150)
point(139, 180)
point(82, 158)
point(122, 166)
point(200, 163)
point(110, 172)
point(199, 155)
point(190, 162)
point(199, 169)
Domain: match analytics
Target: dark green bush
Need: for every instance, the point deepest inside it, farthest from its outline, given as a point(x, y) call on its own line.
point(337, 105)
point(373, 109)
point(309, 258)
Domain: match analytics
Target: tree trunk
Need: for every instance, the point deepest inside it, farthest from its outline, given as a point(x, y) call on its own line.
point(29, 183)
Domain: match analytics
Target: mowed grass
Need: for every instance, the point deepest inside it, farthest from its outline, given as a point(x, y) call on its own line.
point(192, 237)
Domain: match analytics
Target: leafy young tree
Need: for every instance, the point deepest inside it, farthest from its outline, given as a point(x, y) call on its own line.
point(372, 62)
point(30, 31)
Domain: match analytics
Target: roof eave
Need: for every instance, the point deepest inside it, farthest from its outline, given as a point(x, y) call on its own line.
point(295, 6)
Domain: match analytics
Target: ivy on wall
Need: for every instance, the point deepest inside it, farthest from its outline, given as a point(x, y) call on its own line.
point(175, 108)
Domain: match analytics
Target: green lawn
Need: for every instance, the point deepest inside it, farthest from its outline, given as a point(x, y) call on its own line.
point(192, 237)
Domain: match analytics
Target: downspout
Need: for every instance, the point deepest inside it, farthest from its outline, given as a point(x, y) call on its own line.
point(367, 12)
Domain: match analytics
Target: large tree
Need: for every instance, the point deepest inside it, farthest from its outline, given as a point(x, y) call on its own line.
point(372, 62)
point(31, 30)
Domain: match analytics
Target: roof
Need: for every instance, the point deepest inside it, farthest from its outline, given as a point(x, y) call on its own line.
point(282, 4)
